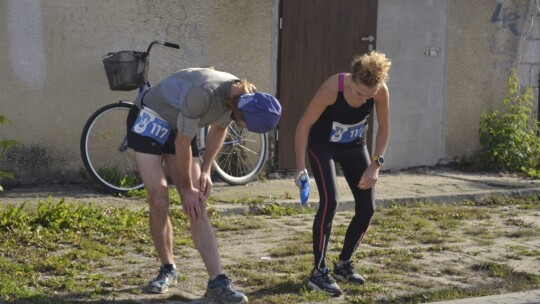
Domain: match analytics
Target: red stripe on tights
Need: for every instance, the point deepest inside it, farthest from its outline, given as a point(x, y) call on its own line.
point(325, 198)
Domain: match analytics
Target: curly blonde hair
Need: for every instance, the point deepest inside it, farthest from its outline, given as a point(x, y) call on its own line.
point(370, 69)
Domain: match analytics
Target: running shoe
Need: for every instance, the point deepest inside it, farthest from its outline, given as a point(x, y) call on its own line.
point(322, 281)
point(166, 277)
point(346, 272)
point(220, 290)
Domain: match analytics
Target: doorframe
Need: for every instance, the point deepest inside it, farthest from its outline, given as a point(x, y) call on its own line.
point(276, 42)
point(273, 139)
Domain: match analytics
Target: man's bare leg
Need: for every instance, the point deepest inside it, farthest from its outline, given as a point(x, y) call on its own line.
point(202, 233)
point(155, 182)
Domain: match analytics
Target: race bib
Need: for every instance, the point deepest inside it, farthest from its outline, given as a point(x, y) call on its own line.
point(148, 123)
point(342, 133)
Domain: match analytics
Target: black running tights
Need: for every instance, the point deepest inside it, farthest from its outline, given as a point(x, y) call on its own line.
point(353, 161)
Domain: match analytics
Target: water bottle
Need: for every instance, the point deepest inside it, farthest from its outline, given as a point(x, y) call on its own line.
point(303, 180)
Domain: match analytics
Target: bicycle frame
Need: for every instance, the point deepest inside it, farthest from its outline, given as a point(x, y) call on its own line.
point(123, 145)
point(237, 138)
point(108, 162)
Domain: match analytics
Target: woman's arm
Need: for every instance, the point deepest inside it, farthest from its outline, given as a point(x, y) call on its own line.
point(382, 106)
point(325, 96)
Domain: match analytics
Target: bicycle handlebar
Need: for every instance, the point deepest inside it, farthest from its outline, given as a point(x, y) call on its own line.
point(173, 45)
point(164, 43)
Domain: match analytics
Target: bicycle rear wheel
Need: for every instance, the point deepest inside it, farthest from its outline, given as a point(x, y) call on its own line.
point(242, 156)
point(104, 150)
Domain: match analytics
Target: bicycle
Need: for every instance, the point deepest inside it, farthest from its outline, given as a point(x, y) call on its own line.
point(103, 144)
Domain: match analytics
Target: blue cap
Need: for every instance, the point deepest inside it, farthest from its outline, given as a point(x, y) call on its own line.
point(261, 111)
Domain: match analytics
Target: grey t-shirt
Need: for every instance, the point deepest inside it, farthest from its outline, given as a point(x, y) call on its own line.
point(191, 99)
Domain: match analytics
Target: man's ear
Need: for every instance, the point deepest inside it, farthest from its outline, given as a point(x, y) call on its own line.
point(237, 115)
point(233, 102)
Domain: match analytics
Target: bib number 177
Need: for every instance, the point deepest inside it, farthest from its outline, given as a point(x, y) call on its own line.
point(148, 123)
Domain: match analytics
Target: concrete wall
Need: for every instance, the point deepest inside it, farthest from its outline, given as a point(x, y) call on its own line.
point(53, 77)
point(483, 43)
point(451, 59)
point(528, 56)
point(413, 35)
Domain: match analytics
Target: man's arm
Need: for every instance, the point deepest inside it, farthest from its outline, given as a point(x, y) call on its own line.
point(214, 141)
point(190, 195)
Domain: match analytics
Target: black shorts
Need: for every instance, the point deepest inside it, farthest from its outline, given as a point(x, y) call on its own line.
point(144, 144)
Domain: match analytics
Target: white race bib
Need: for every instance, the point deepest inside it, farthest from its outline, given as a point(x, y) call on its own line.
point(148, 123)
point(342, 133)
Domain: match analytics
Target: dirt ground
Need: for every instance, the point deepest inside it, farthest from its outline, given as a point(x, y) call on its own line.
point(255, 244)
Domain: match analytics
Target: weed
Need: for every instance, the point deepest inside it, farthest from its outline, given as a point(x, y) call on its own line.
point(4, 144)
point(277, 210)
point(509, 138)
point(413, 253)
point(248, 200)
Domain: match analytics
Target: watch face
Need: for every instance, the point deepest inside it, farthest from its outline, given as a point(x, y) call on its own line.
point(380, 160)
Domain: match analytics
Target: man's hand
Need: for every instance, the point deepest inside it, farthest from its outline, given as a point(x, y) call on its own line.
point(205, 185)
point(191, 199)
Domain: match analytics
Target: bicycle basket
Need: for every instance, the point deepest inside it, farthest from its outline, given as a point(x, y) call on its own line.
point(126, 70)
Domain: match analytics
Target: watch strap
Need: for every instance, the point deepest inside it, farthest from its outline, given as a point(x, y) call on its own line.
point(379, 159)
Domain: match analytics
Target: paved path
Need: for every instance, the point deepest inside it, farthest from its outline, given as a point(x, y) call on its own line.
point(509, 298)
point(434, 184)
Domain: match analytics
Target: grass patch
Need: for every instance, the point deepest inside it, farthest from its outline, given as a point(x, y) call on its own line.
point(276, 210)
point(413, 253)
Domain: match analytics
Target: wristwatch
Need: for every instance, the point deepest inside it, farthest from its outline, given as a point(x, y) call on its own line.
point(379, 159)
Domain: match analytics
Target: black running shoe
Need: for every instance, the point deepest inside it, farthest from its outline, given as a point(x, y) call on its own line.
point(322, 281)
point(346, 272)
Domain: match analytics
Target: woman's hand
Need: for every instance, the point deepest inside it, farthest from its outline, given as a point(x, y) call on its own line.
point(370, 177)
point(297, 176)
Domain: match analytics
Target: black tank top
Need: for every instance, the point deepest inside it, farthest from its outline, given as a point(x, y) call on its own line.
point(340, 124)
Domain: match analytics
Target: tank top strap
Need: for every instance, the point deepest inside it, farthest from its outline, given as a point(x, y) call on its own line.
point(341, 82)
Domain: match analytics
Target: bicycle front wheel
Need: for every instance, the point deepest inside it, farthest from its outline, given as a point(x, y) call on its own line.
point(104, 150)
point(242, 156)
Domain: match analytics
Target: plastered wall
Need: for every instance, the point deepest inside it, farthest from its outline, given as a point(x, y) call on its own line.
point(483, 42)
point(528, 57)
point(413, 35)
point(52, 73)
point(451, 59)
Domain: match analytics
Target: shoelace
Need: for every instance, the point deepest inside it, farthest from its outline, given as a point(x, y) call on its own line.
point(223, 280)
point(324, 274)
point(163, 273)
point(347, 267)
point(227, 285)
